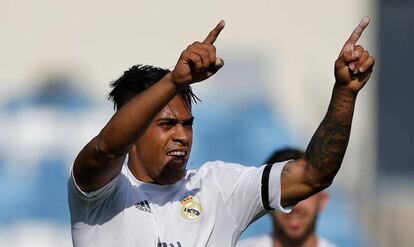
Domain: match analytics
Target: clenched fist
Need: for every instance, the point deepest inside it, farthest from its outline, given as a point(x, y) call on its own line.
point(354, 64)
point(199, 61)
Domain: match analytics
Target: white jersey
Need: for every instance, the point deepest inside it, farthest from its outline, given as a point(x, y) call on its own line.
point(267, 241)
point(208, 207)
point(262, 241)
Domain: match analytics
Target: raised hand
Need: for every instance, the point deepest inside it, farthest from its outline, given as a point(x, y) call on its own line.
point(198, 62)
point(354, 64)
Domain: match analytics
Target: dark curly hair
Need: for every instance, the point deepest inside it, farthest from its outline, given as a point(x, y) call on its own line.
point(139, 78)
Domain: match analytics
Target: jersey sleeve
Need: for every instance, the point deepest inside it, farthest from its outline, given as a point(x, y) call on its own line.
point(85, 206)
point(75, 192)
point(271, 187)
point(249, 192)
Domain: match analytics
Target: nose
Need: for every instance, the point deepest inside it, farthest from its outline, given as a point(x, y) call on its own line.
point(182, 134)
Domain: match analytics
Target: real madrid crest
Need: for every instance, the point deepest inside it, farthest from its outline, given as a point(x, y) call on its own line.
point(191, 208)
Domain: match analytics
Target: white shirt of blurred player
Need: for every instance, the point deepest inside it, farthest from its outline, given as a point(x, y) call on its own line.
point(267, 241)
point(208, 207)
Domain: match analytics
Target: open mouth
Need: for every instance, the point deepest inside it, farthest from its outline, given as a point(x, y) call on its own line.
point(177, 154)
point(178, 159)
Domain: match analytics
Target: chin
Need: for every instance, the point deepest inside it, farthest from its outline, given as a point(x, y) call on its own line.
point(296, 235)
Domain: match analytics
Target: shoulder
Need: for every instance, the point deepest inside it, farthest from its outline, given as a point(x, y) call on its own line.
point(225, 176)
point(227, 173)
point(116, 184)
point(220, 170)
point(222, 167)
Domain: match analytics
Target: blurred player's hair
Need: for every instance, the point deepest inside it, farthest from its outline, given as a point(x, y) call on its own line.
point(285, 154)
point(139, 78)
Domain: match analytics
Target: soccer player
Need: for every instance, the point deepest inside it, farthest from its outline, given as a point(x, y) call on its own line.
point(298, 228)
point(129, 185)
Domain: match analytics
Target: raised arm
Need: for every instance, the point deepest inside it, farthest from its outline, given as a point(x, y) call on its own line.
point(325, 152)
point(102, 158)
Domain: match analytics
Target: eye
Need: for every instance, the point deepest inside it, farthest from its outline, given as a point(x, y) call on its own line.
point(167, 123)
point(189, 122)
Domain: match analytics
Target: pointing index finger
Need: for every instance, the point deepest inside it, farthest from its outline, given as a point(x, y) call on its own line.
point(212, 36)
point(356, 34)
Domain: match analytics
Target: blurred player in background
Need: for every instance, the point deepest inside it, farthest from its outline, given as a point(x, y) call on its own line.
point(129, 185)
point(297, 228)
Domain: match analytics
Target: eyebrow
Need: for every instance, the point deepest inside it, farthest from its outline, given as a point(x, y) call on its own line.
point(188, 120)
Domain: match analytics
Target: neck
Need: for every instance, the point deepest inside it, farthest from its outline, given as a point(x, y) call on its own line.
point(136, 169)
point(165, 177)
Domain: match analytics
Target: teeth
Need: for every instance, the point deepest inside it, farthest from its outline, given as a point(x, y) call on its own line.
point(177, 153)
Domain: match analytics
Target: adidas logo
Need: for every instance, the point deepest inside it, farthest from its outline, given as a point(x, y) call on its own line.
point(143, 206)
point(166, 245)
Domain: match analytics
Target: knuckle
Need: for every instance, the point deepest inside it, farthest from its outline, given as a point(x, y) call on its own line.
point(338, 63)
point(197, 59)
point(203, 52)
point(347, 55)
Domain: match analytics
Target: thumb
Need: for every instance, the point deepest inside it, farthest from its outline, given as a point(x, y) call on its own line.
point(215, 67)
point(219, 63)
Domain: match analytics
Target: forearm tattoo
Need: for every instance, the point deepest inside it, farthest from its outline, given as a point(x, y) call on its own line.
point(327, 147)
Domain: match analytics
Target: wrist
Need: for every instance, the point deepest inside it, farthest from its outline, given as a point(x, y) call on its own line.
point(344, 90)
point(174, 85)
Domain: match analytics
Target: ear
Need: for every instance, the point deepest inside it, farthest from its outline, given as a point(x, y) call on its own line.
point(323, 199)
